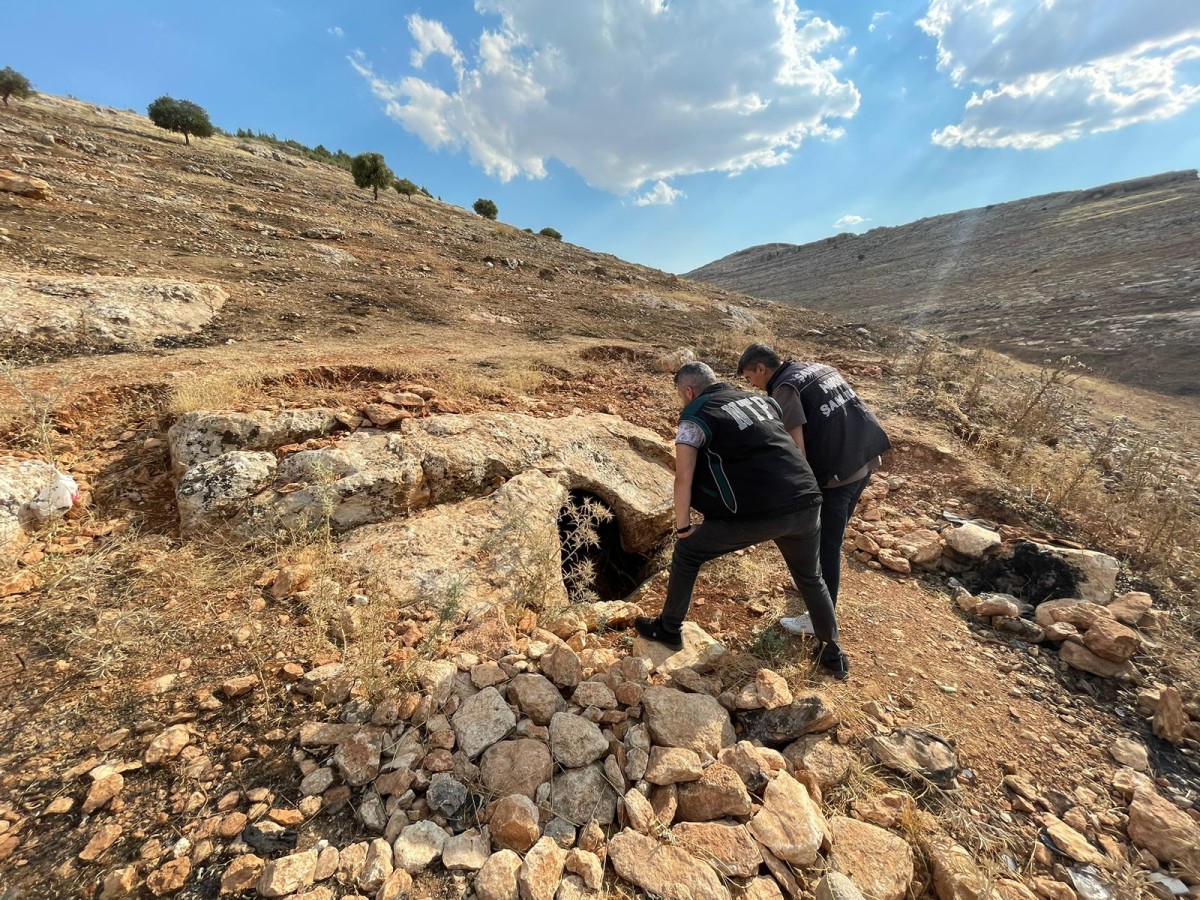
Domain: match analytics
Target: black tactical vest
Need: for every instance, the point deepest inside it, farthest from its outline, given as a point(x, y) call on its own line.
point(840, 435)
point(749, 466)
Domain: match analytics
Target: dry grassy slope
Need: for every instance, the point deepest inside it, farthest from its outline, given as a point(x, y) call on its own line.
point(1109, 275)
point(125, 606)
point(130, 199)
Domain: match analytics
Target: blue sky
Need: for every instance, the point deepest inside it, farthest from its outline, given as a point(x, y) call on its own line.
point(668, 133)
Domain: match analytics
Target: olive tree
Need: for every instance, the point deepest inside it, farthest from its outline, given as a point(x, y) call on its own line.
point(14, 84)
point(486, 208)
point(182, 116)
point(370, 171)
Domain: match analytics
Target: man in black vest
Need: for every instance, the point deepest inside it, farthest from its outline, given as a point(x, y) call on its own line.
point(736, 464)
point(838, 435)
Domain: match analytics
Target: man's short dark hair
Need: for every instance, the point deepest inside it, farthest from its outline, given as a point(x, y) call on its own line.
point(696, 375)
point(758, 353)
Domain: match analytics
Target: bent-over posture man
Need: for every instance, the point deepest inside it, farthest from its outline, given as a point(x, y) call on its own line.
point(838, 435)
point(736, 464)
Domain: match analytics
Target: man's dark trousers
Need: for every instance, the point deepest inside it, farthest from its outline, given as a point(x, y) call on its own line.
point(798, 537)
point(836, 509)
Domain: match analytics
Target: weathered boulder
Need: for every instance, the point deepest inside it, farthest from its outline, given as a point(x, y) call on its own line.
point(701, 651)
point(915, 752)
point(515, 767)
point(836, 886)
point(955, 875)
point(780, 727)
point(828, 761)
point(997, 605)
point(717, 793)
point(1167, 832)
point(373, 476)
point(726, 846)
point(466, 852)
point(671, 765)
point(971, 541)
point(198, 437)
point(514, 823)
point(879, 862)
point(1080, 613)
point(575, 741)
point(581, 795)
point(481, 721)
point(1111, 640)
point(1095, 573)
point(1071, 843)
point(287, 874)
point(536, 697)
point(31, 492)
point(694, 721)
point(1170, 721)
point(541, 871)
point(663, 869)
point(458, 549)
point(562, 666)
point(1130, 753)
point(218, 490)
point(1080, 657)
point(769, 690)
point(497, 880)
point(23, 186)
point(1128, 609)
point(790, 824)
point(98, 311)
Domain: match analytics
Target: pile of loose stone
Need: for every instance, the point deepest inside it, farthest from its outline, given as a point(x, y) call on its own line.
point(1098, 632)
point(534, 763)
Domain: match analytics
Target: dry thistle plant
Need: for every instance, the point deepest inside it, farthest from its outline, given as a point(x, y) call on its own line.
point(579, 521)
point(34, 421)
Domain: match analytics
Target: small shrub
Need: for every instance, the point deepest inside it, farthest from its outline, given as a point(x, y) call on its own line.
point(553, 233)
point(181, 116)
point(405, 187)
point(370, 171)
point(486, 208)
point(14, 84)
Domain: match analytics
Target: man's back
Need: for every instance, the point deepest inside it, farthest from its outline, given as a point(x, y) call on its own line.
point(749, 465)
point(841, 435)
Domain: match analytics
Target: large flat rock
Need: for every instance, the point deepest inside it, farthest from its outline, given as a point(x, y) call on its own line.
point(99, 312)
point(373, 475)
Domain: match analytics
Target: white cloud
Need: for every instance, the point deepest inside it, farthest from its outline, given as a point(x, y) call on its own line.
point(662, 194)
point(432, 39)
point(848, 222)
point(336, 31)
point(877, 19)
point(1057, 71)
point(627, 92)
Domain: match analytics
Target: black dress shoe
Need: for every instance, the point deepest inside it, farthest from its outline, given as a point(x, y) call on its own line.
point(653, 630)
point(834, 662)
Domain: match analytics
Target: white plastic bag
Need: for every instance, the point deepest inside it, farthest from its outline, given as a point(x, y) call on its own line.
point(55, 498)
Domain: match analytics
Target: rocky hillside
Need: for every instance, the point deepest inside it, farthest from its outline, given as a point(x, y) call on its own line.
point(323, 521)
point(1109, 275)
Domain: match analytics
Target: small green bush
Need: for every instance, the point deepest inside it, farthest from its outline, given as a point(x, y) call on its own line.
point(405, 187)
point(551, 233)
point(486, 208)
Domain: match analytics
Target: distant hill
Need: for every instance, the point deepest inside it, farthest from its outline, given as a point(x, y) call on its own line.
point(1110, 275)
